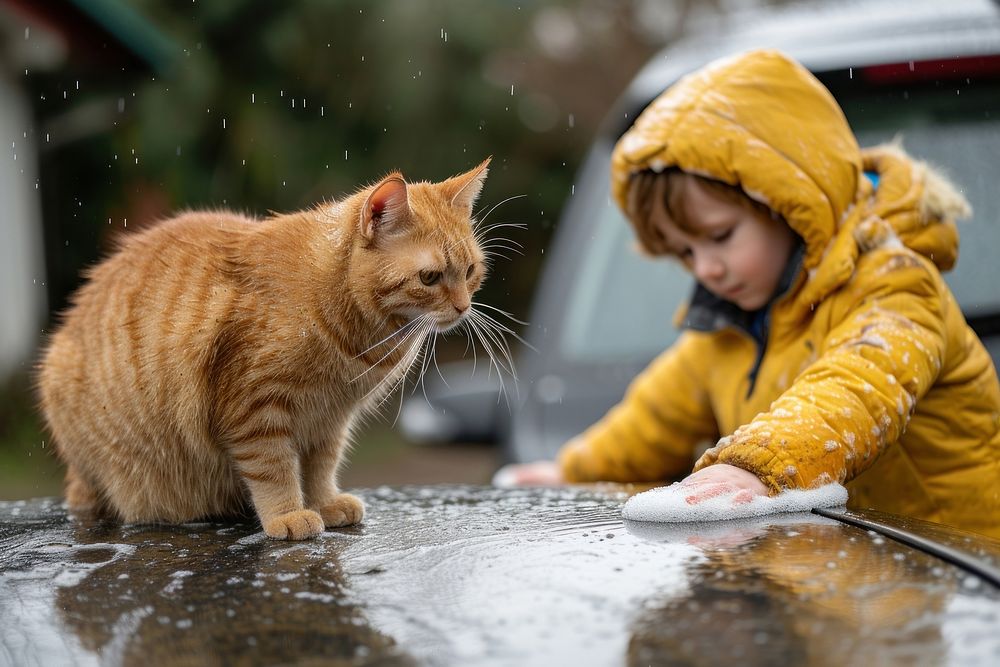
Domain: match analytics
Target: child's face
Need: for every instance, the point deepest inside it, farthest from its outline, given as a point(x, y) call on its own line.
point(738, 253)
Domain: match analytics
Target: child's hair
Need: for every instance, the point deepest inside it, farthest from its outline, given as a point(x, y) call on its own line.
point(647, 184)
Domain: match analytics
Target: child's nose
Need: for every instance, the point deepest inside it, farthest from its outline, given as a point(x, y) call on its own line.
point(708, 267)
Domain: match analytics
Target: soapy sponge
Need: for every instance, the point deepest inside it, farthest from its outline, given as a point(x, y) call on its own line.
point(669, 504)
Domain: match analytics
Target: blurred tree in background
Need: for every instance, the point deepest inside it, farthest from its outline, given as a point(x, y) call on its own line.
point(274, 106)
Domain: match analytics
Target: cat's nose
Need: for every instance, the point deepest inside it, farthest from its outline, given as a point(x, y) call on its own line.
point(461, 302)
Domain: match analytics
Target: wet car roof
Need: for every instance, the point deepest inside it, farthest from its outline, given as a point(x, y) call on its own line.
point(458, 575)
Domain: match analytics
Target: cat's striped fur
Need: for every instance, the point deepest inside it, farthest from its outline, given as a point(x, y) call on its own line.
point(216, 362)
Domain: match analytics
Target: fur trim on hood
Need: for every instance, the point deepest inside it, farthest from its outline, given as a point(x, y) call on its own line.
point(918, 202)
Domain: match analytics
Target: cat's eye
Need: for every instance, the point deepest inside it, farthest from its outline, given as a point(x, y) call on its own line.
point(430, 277)
point(472, 269)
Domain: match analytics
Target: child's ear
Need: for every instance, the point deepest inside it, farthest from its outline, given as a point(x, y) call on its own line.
point(386, 208)
point(465, 188)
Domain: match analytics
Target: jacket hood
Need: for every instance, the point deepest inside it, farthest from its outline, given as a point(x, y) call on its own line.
point(761, 121)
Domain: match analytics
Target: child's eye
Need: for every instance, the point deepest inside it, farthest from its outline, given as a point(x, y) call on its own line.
point(430, 277)
point(724, 236)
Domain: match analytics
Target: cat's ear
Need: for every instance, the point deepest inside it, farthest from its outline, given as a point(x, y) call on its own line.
point(386, 206)
point(465, 188)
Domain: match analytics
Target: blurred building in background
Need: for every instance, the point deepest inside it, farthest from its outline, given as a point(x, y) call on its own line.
point(37, 39)
point(22, 297)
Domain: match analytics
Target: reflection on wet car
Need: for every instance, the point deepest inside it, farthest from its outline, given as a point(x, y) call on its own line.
point(458, 575)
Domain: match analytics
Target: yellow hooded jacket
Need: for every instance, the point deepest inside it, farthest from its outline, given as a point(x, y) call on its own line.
point(870, 375)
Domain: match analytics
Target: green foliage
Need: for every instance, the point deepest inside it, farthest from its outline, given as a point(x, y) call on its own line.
point(28, 467)
point(275, 106)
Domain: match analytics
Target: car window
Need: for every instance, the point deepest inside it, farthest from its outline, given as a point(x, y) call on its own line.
point(622, 305)
point(957, 131)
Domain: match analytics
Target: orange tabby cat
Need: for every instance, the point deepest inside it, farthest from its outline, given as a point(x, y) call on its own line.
point(217, 361)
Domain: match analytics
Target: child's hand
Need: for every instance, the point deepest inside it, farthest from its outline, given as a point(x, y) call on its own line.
point(539, 473)
point(721, 479)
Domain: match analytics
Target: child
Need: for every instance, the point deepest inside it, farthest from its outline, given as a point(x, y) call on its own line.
point(821, 342)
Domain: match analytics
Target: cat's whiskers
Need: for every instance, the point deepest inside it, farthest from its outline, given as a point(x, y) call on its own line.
point(480, 332)
point(416, 324)
point(489, 329)
point(502, 327)
point(398, 331)
point(491, 254)
point(431, 340)
point(503, 242)
point(429, 350)
point(393, 378)
point(492, 246)
point(495, 206)
point(484, 241)
point(433, 358)
point(470, 342)
point(480, 232)
point(477, 322)
point(403, 364)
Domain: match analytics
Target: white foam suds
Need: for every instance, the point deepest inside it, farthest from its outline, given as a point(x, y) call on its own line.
point(669, 504)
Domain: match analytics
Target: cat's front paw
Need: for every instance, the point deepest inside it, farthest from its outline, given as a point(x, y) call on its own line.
point(343, 510)
point(297, 525)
